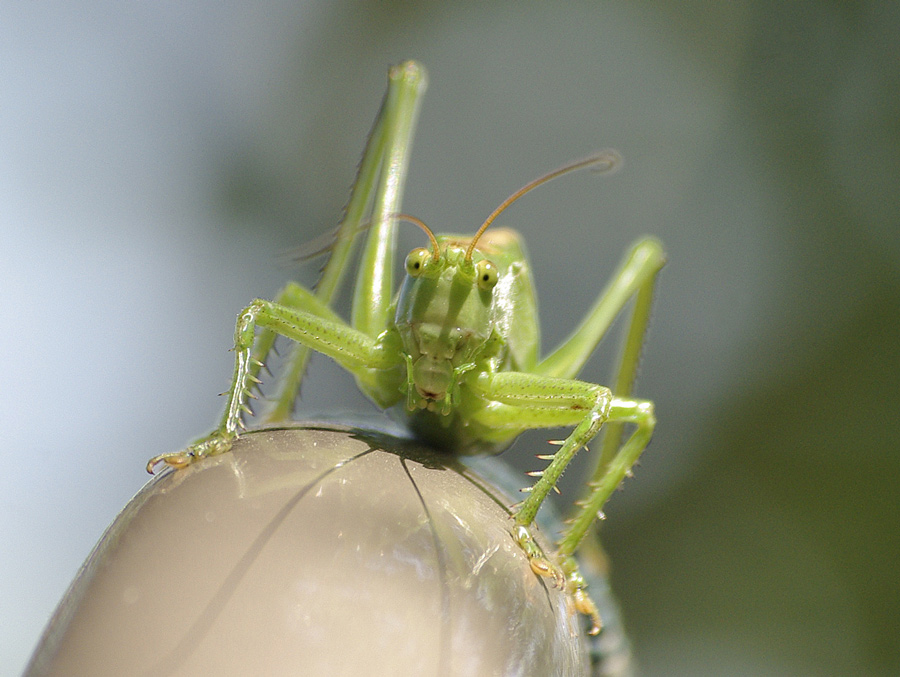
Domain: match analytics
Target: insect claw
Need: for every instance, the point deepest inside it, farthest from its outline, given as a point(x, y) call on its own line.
point(546, 569)
point(585, 605)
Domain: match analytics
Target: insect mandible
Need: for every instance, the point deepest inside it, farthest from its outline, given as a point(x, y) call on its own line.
point(456, 349)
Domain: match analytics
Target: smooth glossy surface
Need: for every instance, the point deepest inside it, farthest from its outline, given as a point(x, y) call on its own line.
point(312, 551)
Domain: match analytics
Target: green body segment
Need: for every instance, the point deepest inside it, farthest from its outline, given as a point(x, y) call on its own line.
point(457, 350)
point(453, 330)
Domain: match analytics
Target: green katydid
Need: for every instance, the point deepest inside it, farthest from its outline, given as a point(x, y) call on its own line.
point(457, 348)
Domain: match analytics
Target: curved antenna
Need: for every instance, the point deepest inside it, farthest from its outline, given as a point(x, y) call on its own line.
point(435, 248)
point(601, 162)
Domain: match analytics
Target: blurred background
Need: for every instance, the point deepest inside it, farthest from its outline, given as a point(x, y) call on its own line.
point(157, 158)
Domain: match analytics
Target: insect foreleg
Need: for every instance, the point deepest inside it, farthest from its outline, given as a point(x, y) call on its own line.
point(298, 297)
point(523, 401)
point(535, 401)
point(322, 332)
point(635, 279)
point(622, 411)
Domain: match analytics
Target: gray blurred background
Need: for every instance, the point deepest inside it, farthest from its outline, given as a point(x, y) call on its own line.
point(156, 158)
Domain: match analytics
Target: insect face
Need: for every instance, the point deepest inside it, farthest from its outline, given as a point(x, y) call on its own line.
point(443, 317)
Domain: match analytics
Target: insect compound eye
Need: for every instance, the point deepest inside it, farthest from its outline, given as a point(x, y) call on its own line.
point(415, 262)
point(487, 274)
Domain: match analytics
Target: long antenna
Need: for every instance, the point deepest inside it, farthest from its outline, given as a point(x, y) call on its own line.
point(435, 249)
point(602, 162)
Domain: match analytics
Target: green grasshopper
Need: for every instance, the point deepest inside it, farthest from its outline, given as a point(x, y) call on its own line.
point(457, 348)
